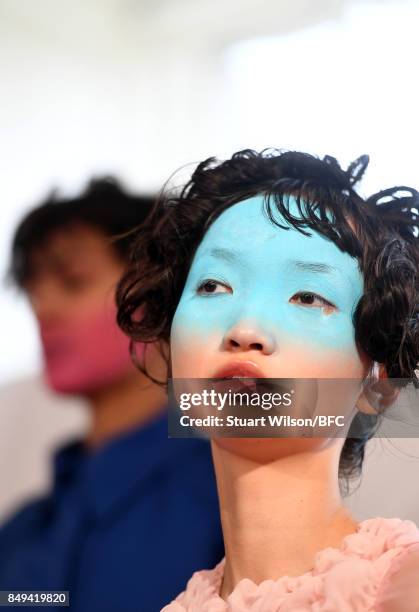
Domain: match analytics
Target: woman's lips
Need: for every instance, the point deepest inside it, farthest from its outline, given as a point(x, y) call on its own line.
point(239, 369)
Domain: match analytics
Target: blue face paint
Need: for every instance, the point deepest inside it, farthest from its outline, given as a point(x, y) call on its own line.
point(303, 288)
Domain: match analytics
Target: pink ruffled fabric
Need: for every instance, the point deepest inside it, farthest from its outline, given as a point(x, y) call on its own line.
point(345, 579)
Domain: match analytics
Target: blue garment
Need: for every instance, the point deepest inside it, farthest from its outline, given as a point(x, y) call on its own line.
point(124, 527)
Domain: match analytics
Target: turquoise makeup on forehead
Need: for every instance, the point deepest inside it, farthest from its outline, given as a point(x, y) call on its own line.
point(265, 265)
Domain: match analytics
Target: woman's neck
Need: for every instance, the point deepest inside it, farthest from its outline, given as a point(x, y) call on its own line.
point(277, 515)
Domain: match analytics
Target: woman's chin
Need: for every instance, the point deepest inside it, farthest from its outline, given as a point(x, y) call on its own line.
point(267, 450)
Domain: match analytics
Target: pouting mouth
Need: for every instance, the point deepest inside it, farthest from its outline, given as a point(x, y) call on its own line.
point(239, 369)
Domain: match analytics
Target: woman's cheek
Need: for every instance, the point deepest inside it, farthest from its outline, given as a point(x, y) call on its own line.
point(316, 360)
point(322, 347)
point(191, 346)
point(185, 353)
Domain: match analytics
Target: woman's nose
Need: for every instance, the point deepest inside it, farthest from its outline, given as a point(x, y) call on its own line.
point(249, 336)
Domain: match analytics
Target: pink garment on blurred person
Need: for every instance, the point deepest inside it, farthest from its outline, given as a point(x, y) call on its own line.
point(86, 353)
point(374, 570)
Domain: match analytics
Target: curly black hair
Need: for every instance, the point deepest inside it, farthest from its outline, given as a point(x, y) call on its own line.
point(381, 232)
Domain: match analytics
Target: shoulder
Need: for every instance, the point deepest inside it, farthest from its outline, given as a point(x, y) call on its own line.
point(384, 538)
point(374, 566)
point(399, 590)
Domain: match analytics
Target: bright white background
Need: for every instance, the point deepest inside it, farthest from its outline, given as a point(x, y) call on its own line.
point(139, 88)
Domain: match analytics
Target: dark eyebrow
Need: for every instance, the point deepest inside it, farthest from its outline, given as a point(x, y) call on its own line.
point(313, 266)
point(317, 267)
point(221, 253)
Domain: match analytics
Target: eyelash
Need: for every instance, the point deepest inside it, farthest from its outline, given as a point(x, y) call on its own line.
point(325, 302)
point(215, 283)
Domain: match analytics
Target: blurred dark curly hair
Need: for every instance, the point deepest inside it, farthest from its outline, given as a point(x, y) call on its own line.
point(104, 205)
point(381, 232)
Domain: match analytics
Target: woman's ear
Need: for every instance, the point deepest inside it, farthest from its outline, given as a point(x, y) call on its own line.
point(379, 392)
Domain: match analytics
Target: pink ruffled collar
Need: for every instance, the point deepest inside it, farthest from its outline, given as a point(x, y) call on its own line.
point(350, 573)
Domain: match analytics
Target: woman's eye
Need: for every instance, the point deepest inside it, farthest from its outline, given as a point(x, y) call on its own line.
point(312, 300)
point(209, 287)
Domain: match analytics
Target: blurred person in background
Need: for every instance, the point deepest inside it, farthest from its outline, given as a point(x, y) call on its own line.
point(125, 499)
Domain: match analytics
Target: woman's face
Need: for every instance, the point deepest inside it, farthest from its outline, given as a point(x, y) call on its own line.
point(267, 302)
